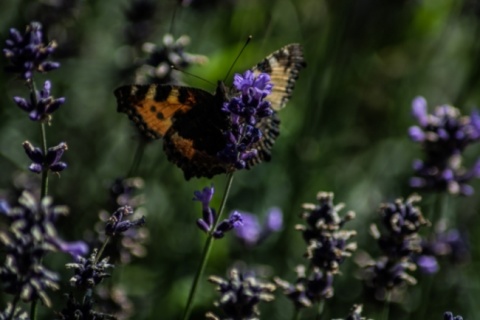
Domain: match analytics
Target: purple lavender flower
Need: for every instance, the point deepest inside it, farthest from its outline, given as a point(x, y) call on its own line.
point(449, 316)
point(31, 235)
point(209, 217)
point(50, 161)
point(399, 243)
point(240, 295)
point(116, 224)
point(42, 106)
point(444, 135)
point(234, 221)
point(253, 233)
point(158, 66)
point(89, 272)
point(308, 290)
point(327, 245)
point(28, 53)
point(245, 112)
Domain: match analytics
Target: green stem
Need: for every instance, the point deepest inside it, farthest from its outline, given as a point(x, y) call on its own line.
point(206, 250)
point(33, 310)
point(296, 314)
point(386, 306)
point(321, 305)
point(44, 185)
point(100, 252)
point(44, 190)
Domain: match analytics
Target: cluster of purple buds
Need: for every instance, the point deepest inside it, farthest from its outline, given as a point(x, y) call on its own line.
point(245, 112)
point(327, 247)
point(449, 316)
point(50, 161)
point(31, 235)
point(28, 53)
point(399, 243)
point(158, 66)
point(327, 243)
point(444, 135)
point(208, 221)
point(117, 223)
point(240, 295)
point(308, 289)
point(89, 272)
point(41, 106)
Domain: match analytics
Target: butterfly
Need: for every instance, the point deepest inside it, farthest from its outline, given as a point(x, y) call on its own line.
point(192, 123)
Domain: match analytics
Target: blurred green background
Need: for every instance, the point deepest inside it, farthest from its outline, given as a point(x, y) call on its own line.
point(344, 131)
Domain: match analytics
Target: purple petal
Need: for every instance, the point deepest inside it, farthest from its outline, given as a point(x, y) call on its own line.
point(428, 264)
point(203, 225)
point(417, 182)
point(250, 231)
point(419, 110)
point(416, 134)
point(23, 103)
point(35, 167)
point(75, 249)
point(274, 219)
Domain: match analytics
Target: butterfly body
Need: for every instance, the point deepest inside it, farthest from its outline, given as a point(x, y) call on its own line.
point(192, 122)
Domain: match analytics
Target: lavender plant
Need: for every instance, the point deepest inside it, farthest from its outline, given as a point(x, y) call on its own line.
point(399, 241)
point(444, 135)
point(244, 111)
point(240, 295)
point(32, 233)
point(327, 247)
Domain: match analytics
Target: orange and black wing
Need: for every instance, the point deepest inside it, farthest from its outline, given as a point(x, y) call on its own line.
point(154, 108)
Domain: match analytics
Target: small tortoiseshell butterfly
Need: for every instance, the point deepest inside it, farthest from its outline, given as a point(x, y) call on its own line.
point(191, 121)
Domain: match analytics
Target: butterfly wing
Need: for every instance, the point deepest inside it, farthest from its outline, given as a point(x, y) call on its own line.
point(283, 66)
point(153, 108)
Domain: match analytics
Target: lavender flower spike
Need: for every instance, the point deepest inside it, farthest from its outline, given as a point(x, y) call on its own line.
point(28, 53)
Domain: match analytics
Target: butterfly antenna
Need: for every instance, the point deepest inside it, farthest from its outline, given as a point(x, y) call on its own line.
point(172, 21)
point(192, 75)
point(238, 56)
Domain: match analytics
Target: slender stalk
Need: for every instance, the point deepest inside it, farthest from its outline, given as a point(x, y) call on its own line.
point(321, 305)
point(206, 250)
point(100, 252)
point(386, 306)
point(44, 189)
point(296, 314)
point(33, 310)
point(44, 184)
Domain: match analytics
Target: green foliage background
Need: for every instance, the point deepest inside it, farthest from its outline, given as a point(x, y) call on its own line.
point(345, 131)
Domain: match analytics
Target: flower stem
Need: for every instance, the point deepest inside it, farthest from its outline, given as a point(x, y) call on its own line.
point(386, 306)
point(206, 250)
point(44, 190)
point(321, 305)
point(296, 314)
point(44, 185)
point(100, 252)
